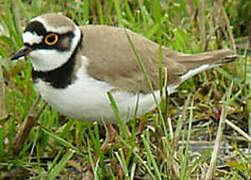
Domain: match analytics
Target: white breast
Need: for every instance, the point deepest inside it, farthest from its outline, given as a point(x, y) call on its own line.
point(86, 99)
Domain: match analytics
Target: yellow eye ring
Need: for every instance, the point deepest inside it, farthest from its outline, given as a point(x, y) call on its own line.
point(51, 39)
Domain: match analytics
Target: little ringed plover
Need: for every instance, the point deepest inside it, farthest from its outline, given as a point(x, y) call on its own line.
point(74, 67)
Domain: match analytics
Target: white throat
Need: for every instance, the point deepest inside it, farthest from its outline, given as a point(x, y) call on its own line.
point(50, 59)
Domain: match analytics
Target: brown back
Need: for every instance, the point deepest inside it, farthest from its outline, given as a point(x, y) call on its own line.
point(112, 59)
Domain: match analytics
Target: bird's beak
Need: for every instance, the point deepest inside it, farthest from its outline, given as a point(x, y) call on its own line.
point(23, 52)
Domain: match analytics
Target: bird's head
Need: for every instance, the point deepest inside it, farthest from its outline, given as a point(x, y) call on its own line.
point(49, 40)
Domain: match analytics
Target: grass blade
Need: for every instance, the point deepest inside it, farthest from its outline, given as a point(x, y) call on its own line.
point(150, 157)
point(118, 117)
point(54, 172)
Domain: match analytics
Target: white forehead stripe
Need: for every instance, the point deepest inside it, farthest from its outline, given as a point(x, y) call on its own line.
point(32, 38)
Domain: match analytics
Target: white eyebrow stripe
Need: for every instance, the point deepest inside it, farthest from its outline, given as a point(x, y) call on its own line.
point(60, 30)
point(32, 38)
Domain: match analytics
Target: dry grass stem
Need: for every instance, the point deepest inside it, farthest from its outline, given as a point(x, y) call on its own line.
point(28, 123)
point(211, 169)
point(169, 121)
point(197, 142)
point(239, 130)
point(229, 29)
point(202, 25)
point(176, 138)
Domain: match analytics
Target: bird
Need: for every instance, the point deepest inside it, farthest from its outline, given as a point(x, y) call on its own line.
point(75, 67)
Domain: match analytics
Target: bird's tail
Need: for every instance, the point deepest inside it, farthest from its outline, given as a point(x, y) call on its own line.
point(200, 62)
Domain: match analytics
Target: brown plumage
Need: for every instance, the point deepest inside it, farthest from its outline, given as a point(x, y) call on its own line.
point(111, 58)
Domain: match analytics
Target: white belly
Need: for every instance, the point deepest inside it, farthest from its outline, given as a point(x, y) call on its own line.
point(87, 99)
point(90, 101)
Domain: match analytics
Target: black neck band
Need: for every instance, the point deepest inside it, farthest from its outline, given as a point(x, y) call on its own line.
point(62, 76)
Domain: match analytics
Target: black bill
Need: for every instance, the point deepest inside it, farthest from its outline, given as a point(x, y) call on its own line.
point(23, 52)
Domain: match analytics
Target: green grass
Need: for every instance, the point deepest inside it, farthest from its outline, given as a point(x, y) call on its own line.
point(173, 142)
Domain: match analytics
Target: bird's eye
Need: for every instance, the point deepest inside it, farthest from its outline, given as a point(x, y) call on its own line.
point(51, 39)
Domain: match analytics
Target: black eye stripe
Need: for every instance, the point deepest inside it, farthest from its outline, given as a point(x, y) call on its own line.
point(27, 44)
point(38, 28)
point(57, 46)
